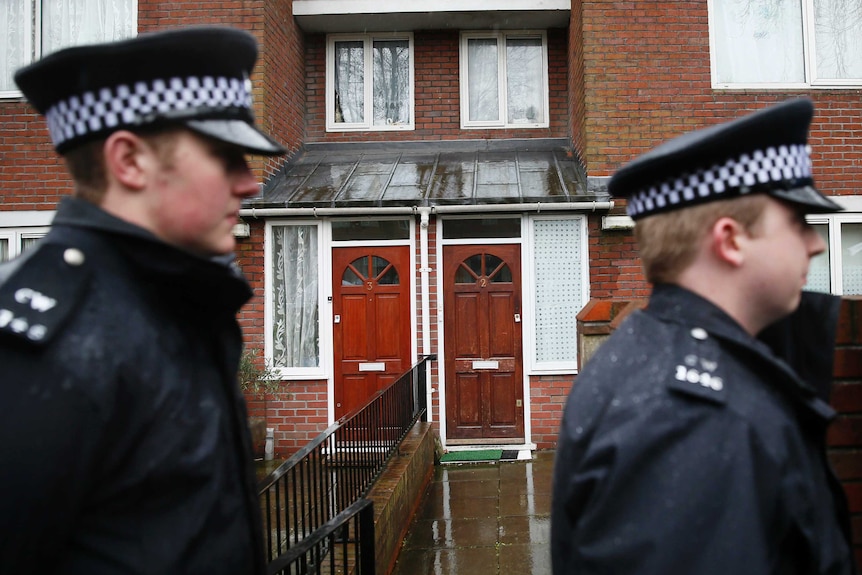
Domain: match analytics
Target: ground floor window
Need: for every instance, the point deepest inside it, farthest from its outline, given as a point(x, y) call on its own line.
point(839, 269)
point(14, 241)
point(295, 296)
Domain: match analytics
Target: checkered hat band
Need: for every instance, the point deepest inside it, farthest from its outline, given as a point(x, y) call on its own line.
point(143, 102)
point(749, 172)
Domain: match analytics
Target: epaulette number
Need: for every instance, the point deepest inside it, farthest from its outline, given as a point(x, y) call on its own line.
point(20, 325)
point(704, 378)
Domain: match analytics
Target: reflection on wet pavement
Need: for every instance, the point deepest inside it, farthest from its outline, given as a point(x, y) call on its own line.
point(486, 518)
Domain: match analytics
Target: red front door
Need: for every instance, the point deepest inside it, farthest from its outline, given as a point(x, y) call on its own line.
point(371, 314)
point(482, 306)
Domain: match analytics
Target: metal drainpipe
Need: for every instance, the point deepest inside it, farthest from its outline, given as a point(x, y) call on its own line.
point(424, 274)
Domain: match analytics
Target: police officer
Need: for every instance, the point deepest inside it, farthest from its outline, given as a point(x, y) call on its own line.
point(692, 442)
point(124, 440)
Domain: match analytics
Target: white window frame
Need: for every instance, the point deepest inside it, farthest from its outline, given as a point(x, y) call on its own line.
point(809, 57)
point(368, 124)
point(16, 236)
point(324, 368)
point(501, 37)
point(528, 282)
point(834, 222)
point(34, 39)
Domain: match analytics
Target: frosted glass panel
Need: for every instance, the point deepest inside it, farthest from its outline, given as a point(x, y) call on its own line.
point(819, 278)
point(559, 288)
point(4, 250)
point(851, 251)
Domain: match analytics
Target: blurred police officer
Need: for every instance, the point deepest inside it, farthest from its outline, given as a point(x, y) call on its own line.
point(123, 433)
point(689, 444)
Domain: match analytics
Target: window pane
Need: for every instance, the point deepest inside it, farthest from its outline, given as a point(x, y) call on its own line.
point(295, 331)
point(482, 75)
point(345, 230)
point(838, 39)
point(559, 288)
point(71, 22)
point(819, 278)
point(391, 82)
point(524, 85)
point(28, 241)
point(482, 228)
point(851, 258)
point(4, 250)
point(759, 41)
point(16, 48)
point(349, 82)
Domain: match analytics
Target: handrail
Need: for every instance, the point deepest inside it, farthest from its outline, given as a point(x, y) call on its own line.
point(357, 551)
point(340, 465)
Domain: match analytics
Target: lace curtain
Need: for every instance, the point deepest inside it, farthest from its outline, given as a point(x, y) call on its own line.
point(15, 19)
point(295, 297)
point(64, 23)
point(349, 82)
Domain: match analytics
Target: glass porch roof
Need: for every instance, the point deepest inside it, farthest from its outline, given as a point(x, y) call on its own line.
point(475, 172)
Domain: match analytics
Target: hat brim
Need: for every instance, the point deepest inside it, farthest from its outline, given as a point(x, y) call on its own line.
point(809, 198)
point(237, 132)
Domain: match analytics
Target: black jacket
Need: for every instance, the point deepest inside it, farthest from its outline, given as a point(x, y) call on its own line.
point(688, 446)
point(123, 433)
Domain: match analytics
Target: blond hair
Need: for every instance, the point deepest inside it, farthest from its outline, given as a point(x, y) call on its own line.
point(668, 242)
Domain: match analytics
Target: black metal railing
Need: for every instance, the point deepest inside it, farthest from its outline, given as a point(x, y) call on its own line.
point(343, 545)
point(339, 467)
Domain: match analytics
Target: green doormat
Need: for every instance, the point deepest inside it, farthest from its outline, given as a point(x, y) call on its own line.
point(476, 455)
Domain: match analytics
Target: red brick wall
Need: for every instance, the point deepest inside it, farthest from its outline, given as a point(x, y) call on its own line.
point(33, 177)
point(647, 78)
point(437, 93)
point(845, 434)
point(577, 103)
point(297, 414)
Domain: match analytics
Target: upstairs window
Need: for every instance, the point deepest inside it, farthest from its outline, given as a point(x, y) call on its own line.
point(34, 28)
point(369, 83)
point(786, 43)
point(504, 80)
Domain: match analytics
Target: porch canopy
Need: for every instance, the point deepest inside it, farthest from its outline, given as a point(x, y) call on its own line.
point(439, 173)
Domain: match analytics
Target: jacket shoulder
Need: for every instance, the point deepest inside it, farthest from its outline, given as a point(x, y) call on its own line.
point(40, 291)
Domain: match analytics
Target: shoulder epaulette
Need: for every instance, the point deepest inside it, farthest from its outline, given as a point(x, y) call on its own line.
point(697, 372)
point(42, 292)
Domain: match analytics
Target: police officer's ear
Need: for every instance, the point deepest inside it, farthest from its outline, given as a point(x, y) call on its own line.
point(128, 158)
point(727, 239)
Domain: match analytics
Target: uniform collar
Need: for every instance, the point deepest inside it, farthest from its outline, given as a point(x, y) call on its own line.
point(215, 282)
point(675, 304)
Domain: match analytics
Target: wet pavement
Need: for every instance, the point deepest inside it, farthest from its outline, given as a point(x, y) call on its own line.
point(488, 518)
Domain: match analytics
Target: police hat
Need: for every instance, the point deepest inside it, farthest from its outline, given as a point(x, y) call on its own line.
point(763, 152)
point(195, 77)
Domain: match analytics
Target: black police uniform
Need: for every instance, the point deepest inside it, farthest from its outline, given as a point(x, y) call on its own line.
point(123, 431)
point(688, 446)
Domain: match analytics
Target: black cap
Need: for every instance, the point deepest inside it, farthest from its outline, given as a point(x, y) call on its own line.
point(197, 77)
point(764, 152)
